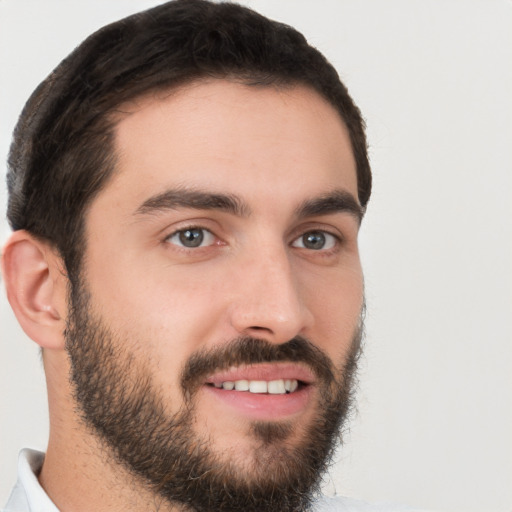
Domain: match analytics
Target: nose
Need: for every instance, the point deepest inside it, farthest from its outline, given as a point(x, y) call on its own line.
point(268, 302)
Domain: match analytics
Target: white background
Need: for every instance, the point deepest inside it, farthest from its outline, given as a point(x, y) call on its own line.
point(434, 81)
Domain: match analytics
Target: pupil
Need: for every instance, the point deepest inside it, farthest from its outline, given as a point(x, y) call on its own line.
point(191, 237)
point(314, 240)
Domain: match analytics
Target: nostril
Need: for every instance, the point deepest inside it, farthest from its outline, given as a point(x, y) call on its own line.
point(258, 328)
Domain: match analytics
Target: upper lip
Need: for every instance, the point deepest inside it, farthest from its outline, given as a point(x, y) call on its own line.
point(264, 371)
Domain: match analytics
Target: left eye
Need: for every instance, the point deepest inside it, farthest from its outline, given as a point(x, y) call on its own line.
point(192, 237)
point(316, 241)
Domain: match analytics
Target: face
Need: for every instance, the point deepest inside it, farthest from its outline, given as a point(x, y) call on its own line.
point(218, 321)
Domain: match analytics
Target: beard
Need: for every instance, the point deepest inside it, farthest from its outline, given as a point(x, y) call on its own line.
point(126, 411)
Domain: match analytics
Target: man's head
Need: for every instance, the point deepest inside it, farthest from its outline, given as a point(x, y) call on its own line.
point(62, 152)
point(199, 175)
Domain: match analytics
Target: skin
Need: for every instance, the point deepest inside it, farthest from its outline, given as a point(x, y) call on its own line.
point(273, 149)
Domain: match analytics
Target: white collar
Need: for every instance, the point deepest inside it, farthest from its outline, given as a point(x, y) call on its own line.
point(28, 495)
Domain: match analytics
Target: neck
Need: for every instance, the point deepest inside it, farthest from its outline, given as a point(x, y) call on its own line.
point(79, 473)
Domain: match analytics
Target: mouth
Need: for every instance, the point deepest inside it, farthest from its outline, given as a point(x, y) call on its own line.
point(272, 387)
point(264, 391)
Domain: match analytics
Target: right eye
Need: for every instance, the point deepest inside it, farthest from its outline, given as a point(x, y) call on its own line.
point(192, 238)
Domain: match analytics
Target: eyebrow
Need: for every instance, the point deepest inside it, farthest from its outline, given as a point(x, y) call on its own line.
point(196, 199)
point(338, 201)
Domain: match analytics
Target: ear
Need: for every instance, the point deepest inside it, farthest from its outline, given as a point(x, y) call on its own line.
point(36, 286)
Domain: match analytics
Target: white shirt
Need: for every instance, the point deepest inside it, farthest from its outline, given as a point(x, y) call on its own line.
point(28, 495)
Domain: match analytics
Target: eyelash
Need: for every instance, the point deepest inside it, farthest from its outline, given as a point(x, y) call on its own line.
point(184, 230)
point(329, 238)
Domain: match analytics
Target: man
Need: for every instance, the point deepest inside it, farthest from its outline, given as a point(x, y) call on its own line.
point(185, 193)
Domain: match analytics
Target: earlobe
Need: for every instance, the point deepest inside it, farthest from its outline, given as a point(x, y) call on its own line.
point(36, 288)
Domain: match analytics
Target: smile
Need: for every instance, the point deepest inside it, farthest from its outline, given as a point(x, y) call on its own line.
point(266, 391)
point(272, 387)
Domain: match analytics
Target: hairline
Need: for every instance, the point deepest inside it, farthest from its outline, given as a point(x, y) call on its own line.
point(110, 121)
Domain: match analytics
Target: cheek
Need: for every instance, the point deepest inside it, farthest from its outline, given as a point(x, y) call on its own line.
point(336, 299)
point(167, 311)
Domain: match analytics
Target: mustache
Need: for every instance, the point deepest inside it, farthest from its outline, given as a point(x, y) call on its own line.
point(249, 351)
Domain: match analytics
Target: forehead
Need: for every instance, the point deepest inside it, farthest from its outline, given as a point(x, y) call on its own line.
point(229, 137)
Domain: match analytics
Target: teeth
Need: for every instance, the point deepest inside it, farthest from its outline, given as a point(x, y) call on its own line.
point(242, 385)
point(258, 386)
point(276, 387)
point(273, 387)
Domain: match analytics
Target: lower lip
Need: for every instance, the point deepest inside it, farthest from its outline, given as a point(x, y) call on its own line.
point(261, 406)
